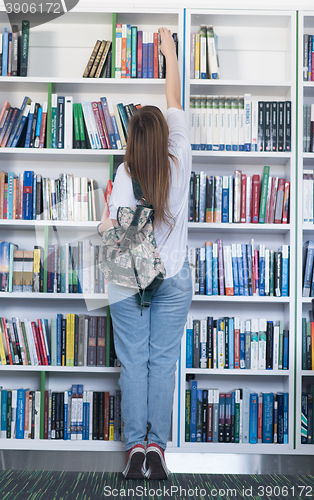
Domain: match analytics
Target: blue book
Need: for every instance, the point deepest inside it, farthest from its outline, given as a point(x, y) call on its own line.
point(199, 416)
point(34, 195)
point(262, 270)
point(209, 267)
point(150, 65)
point(215, 269)
point(21, 127)
point(65, 419)
point(285, 417)
point(253, 417)
point(17, 122)
point(20, 414)
point(245, 270)
point(60, 121)
point(29, 125)
point(5, 51)
point(193, 411)
point(145, 55)
point(124, 118)
point(231, 343)
point(308, 257)
point(87, 419)
point(38, 127)
point(240, 269)
point(242, 345)
point(10, 195)
point(236, 286)
point(202, 271)
point(285, 270)
point(128, 50)
point(280, 399)
point(28, 195)
point(189, 342)
point(4, 398)
point(84, 416)
point(59, 318)
point(285, 359)
point(268, 409)
point(134, 51)
point(109, 123)
point(225, 198)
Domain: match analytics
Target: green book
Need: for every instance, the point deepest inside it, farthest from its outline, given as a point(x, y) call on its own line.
point(263, 198)
point(29, 361)
point(81, 126)
point(24, 48)
point(280, 356)
point(54, 121)
point(187, 415)
point(77, 141)
point(304, 344)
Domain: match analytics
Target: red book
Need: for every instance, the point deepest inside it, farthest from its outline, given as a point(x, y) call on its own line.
point(210, 410)
point(106, 416)
point(41, 342)
point(46, 399)
point(236, 343)
point(21, 190)
point(255, 199)
point(15, 193)
point(108, 191)
point(273, 197)
point(139, 53)
point(103, 122)
point(155, 55)
point(123, 52)
point(33, 325)
point(285, 209)
point(243, 198)
point(260, 419)
point(99, 125)
point(16, 198)
point(6, 336)
point(43, 127)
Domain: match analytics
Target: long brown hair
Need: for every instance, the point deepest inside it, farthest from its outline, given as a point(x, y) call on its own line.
point(147, 159)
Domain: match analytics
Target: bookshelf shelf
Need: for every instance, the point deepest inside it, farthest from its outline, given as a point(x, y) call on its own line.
point(60, 369)
point(307, 373)
point(235, 373)
point(195, 226)
point(77, 155)
point(31, 224)
point(61, 445)
point(240, 298)
point(54, 296)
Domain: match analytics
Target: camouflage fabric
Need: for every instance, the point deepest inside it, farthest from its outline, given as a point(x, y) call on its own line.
point(129, 255)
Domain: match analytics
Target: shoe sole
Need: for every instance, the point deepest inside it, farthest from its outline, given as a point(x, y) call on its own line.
point(134, 469)
point(157, 468)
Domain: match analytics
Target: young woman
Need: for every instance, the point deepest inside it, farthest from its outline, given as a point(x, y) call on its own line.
point(147, 342)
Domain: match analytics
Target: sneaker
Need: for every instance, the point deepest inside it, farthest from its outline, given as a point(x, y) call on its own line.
point(155, 463)
point(134, 465)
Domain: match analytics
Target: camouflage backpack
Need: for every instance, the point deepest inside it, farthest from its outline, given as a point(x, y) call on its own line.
point(129, 255)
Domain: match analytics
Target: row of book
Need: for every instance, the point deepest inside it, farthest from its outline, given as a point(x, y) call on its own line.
point(230, 343)
point(87, 125)
point(307, 415)
point(138, 53)
point(29, 196)
point(73, 340)
point(222, 123)
point(204, 62)
point(239, 198)
point(308, 58)
point(70, 415)
point(99, 63)
point(239, 416)
point(308, 196)
point(239, 269)
point(14, 50)
point(52, 269)
point(308, 270)
point(308, 125)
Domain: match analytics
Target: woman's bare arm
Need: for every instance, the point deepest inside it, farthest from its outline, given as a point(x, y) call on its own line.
point(173, 85)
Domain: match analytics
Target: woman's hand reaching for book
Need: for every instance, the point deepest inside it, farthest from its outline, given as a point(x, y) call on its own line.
point(173, 86)
point(167, 45)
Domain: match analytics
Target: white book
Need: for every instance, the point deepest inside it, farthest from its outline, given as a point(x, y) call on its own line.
point(92, 269)
point(262, 344)
point(192, 121)
point(70, 197)
point(203, 123)
point(228, 270)
point(230, 194)
point(246, 415)
point(74, 403)
point(254, 124)
point(21, 340)
point(111, 111)
point(276, 347)
point(215, 346)
point(228, 124)
point(209, 134)
point(93, 189)
point(84, 199)
point(237, 195)
point(215, 123)
point(53, 197)
point(68, 122)
point(86, 266)
point(93, 123)
point(203, 344)
point(37, 414)
point(234, 124)
point(254, 344)
point(192, 257)
point(197, 122)
point(14, 414)
point(192, 64)
point(77, 199)
point(248, 207)
point(212, 54)
point(241, 123)
point(310, 189)
point(203, 63)
point(118, 50)
point(29, 338)
point(90, 402)
point(222, 125)
point(247, 122)
point(86, 107)
point(79, 433)
point(267, 255)
point(221, 348)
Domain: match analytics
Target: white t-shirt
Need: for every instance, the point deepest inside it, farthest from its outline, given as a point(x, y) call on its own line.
point(172, 248)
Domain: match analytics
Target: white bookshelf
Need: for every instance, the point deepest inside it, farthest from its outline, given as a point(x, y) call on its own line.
point(257, 55)
point(58, 54)
point(305, 231)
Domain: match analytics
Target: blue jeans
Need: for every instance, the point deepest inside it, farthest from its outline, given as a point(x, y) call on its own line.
point(148, 348)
